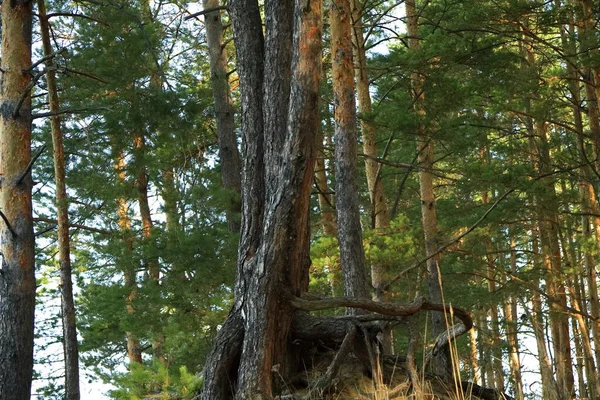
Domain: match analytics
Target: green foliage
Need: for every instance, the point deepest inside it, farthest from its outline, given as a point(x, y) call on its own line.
point(157, 381)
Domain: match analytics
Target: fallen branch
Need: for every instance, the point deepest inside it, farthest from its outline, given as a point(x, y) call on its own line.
point(324, 383)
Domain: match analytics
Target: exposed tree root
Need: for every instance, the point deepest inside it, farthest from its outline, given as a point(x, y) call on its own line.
point(322, 347)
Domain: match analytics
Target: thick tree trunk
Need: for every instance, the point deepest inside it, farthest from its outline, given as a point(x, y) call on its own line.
point(62, 210)
point(273, 252)
point(17, 273)
point(224, 112)
point(425, 149)
point(352, 255)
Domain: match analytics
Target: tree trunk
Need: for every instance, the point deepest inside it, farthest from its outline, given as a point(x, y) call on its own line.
point(352, 256)
point(325, 199)
point(379, 209)
point(17, 273)
point(134, 350)
point(512, 333)
point(273, 251)
point(442, 365)
point(224, 112)
point(62, 210)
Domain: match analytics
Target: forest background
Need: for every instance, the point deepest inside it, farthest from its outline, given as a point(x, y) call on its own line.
point(479, 158)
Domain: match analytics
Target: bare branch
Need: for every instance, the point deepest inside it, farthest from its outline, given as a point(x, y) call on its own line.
point(75, 15)
point(418, 263)
point(68, 111)
point(205, 11)
point(76, 226)
point(30, 165)
point(12, 232)
point(44, 59)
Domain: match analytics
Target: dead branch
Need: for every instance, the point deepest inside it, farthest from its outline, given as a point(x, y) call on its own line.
point(324, 383)
point(12, 232)
point(68, 111)
point(76, 226)
point(30, 165)
point(44, 59)
point(205, 11)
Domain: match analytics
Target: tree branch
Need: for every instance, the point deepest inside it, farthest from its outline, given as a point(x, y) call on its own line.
point(417, 263)
point(76, 226)
point(30, 165)
point(205, 11)
point(12, 232)
point(68, 111)
point(44, 59)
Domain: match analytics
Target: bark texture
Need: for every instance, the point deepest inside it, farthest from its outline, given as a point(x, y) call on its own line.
point(224, 112)
point(70, 345)
point(273, 251)
point(352, 255)
point(17, 275)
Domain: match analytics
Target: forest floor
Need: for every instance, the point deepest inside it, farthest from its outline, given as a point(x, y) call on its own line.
point(352, 382)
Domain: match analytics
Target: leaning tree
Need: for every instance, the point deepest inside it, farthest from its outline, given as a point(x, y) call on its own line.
point(256, 351)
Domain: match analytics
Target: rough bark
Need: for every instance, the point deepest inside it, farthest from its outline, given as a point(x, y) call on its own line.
point(273, 252)
point(425, 158)
point(352, 255)
point(380, 216)
point(62, 216)
point(17, 274)
point(224, 112)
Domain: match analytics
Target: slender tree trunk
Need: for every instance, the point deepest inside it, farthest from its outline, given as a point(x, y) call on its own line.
point(224, 112)
point(141, 183)
point(328, 222)
point(442, 364)
point(588, 190)
point(17, 273)
point(553, 264)
point(62, 210)
point(379, 210)
point(474, 356)
point(346, 186)
point(512, 332)
point(134, 350)
point(496, 350)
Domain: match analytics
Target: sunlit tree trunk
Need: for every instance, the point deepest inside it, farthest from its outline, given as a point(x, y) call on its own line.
point(62, 216)
point(512, 334)
point(425, 149)
point(346, 174)
point(134, 350)
point(17, 272)
point(380, 217)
